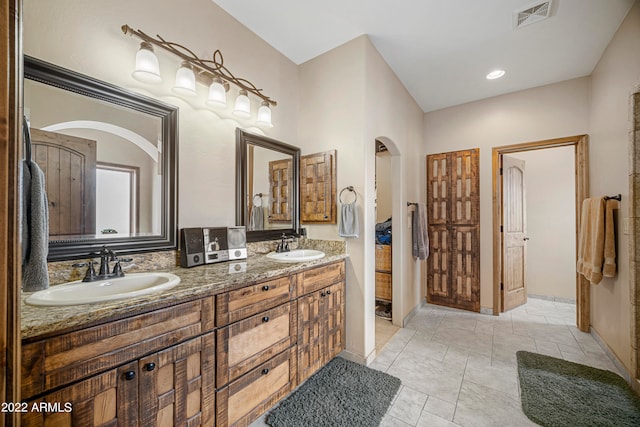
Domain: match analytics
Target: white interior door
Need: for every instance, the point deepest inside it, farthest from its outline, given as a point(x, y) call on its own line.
point(514, 237)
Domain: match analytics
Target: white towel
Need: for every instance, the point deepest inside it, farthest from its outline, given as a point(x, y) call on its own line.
point(256, 220)
point(349, 221)
point(35, 223)
point(420, 233)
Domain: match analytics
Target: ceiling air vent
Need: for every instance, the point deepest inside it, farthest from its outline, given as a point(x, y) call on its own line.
point(532, 14)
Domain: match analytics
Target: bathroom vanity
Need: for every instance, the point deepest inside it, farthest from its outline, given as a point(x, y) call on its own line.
point(219, 349)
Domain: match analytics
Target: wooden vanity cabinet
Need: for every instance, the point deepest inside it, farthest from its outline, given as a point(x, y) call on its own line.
point(151, 369)
point(321, 326)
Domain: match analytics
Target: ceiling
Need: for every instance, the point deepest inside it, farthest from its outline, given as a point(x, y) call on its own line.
point(442, 50)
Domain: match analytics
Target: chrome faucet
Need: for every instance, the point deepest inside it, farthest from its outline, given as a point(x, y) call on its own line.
point(106, 256)
point(283, 246)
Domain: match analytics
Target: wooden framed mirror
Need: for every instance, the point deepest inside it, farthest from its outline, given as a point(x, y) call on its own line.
point(110, 162)
point(267, 186)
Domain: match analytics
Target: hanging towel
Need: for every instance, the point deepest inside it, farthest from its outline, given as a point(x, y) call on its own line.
point(35, 225)
point(256, 220)
point(420, 235)
point(609, 268)
point(591, 240)
point(349, 221)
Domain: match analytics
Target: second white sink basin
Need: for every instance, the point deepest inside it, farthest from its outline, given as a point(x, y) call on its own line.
point(79, 292)
point(297, 255)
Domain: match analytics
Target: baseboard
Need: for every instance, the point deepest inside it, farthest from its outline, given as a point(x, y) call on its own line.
point(358, 358)
point(413, 312)
point(614, 359)
point(553, 298)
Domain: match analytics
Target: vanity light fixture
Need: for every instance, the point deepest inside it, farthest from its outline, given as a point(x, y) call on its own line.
point(495, 74)
point(264, 115)
point(217, 93)
point(210, 72)
point(185, 80)
point(147, 68)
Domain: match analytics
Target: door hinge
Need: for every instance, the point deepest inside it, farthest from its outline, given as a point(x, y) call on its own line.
point(501, 228)
point(500, 171)
point(502, 286)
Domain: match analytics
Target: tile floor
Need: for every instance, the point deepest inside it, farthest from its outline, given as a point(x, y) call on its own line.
point(459, 368)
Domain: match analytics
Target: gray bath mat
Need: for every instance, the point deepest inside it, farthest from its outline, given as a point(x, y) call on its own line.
point(342, 393)
point(557, 393)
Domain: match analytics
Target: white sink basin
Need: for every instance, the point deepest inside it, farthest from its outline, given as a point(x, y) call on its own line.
point(297, 255)
point(129, 286)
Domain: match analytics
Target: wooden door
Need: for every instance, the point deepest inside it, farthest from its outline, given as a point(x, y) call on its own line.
point(514, 229)
point(318, 188)
point(453, 209)
point(309, 335)
point(333, 307)
point(108, 399)
point(280, 175)
point(177, 385)
point(69, 166)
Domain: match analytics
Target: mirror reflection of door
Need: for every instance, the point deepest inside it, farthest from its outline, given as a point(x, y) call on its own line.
point(117, 201)
point(69, 165)
point(514, 233)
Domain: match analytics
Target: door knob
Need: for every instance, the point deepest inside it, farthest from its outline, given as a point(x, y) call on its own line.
point(525, 239)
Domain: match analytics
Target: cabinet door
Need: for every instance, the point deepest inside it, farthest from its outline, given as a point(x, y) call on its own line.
point(108, 399)
point(177, 385)
point(280, 175)
point(318, 188)
point(334, 330)
point(309, 335)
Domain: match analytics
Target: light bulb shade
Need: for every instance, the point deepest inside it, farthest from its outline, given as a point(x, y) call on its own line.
point(147, 69)
point(264, 115)
point(185, 80)
point(243, 105)
point(217, 94)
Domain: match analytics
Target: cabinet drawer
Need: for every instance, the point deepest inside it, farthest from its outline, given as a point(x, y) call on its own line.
point(319, 277)
point(73, 356)
point(383, 286)
point(246, 344)
point(245, 399)
point(242, 303)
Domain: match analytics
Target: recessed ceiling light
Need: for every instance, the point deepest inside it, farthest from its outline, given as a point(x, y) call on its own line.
point(495, 74)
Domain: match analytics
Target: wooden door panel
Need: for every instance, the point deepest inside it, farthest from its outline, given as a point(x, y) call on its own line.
point(318, 188)
point(280, 175)
point(309, 335)
point(69, 166)
point(453, 207)
point(334, 313)
point(514, 226)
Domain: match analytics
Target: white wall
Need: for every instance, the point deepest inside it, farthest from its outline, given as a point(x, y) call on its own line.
point(615, 77)
point(551, 221)
point(85, 36)
point(351, 99)
point(384, 186)
point(546, 112)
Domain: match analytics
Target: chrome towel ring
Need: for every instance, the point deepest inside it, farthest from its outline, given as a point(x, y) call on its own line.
point(351, 189)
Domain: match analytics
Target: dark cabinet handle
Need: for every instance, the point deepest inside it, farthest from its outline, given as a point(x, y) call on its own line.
point(149, 366)
point(265, 319)
point(265, 371)
point(265, 288)
point(328, 292)
point(323, 294)
point(129, 375)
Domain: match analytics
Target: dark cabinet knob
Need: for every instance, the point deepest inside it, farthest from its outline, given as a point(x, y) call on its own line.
point(265, 319)
point(328, 291)
point(265, 288)
point(323, 294)
point(149, 366)
point(265, 371)
point(129, 375)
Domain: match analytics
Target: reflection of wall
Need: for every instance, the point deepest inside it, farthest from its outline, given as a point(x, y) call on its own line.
point(261, 160)
point(383, 186)
point(44, 104)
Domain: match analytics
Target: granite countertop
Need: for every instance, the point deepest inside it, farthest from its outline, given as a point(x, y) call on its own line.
point(195, 282)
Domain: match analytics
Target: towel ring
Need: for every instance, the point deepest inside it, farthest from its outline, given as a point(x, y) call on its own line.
point(257, 200)
point(350, 188)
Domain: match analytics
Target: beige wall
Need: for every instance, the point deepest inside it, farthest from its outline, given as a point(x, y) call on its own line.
point(551, 221)
point(613, 80)
point(546, 112)
point(345, 108)
point(86, 37)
